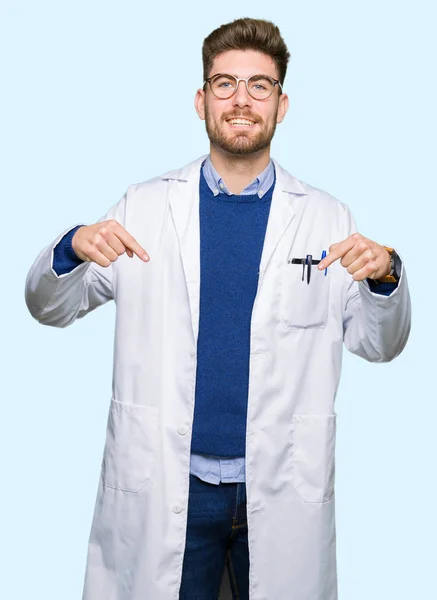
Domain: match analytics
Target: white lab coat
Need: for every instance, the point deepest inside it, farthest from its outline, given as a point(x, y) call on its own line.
point(137, 539)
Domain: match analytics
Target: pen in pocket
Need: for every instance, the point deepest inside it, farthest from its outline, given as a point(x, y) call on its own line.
point(308, 261)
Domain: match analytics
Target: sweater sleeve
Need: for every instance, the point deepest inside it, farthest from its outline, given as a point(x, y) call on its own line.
point(64, 257)
point(385, 289)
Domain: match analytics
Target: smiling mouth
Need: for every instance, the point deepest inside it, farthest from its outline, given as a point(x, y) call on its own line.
point(240, 122)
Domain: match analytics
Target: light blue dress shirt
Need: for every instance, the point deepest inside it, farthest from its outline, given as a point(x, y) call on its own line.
point(260, 185)
point(216, 469)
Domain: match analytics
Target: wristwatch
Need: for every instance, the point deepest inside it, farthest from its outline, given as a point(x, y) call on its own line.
point(395, 267)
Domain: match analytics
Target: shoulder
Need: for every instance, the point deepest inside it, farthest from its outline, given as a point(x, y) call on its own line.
point(182, 174)
point(305, 193)
point(157, 186)
point(144, 187)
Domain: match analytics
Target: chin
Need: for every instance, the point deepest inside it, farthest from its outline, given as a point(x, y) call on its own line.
point(243, 145)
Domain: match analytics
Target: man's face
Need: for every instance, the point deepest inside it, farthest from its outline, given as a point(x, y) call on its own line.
point(242, 139)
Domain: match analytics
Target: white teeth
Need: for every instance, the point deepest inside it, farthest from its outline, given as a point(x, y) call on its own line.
point(240, 122)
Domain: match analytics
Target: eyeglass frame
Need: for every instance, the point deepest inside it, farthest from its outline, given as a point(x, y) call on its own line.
point(275, 81)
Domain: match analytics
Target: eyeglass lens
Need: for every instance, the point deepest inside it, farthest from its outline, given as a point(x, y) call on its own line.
point(259, 86)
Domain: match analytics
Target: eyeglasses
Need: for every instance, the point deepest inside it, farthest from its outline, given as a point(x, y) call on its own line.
point(259, 87)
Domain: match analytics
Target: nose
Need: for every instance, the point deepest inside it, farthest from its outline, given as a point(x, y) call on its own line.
point(241, 97)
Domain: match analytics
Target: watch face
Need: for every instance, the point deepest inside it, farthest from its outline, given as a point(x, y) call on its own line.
point(397, 264)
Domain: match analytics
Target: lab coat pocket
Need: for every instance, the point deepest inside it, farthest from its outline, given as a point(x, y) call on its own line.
point(313, 456)
point(304, 304)
point(131, 446)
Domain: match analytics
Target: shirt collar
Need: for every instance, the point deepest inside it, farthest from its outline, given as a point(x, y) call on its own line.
point(260, 185)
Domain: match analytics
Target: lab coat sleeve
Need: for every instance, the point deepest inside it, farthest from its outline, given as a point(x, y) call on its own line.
point(58, 300)
point(375, 327)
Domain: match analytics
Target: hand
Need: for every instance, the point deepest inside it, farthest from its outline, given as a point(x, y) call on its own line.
point(104, 242)
point(362, 257)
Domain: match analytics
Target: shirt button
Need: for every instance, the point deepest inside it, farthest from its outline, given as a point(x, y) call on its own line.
point(177, 509)
point(182, 430)
point(221, 186)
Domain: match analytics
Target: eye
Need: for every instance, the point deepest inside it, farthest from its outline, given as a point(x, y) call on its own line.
point(261, 86)
point(223, 81)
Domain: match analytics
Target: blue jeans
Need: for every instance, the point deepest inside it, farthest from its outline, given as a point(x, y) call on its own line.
point(216, 536)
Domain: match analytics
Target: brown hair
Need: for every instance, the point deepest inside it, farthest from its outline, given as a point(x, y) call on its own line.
point(246, 34)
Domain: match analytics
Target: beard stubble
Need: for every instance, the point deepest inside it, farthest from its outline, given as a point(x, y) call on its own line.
point(244, 142)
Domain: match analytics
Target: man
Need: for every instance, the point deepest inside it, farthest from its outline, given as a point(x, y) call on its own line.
point(228, 344)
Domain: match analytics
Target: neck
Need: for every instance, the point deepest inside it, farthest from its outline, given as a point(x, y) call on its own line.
point(237, 171)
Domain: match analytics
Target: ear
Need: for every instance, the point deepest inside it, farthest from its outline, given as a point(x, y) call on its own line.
point(282, 107)
point(199, 104)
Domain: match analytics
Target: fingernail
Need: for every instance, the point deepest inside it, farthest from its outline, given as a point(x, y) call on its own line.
point(145, 257)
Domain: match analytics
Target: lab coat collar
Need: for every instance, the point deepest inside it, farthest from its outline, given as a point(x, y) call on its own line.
point(284, 180)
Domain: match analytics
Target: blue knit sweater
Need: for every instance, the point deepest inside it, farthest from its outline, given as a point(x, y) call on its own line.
point(232, 231)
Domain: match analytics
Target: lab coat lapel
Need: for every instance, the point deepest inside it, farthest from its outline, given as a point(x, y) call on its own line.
point(184, 205)
point(281, 213)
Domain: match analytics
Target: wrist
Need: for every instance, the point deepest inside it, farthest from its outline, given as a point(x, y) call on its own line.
point(392, 275)
point(390, 265)
point(73, 246)
point(70, 247)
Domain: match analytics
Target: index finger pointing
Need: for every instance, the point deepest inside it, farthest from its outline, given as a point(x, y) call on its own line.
point(328, 260)
point(131, 243)
point(336, 251)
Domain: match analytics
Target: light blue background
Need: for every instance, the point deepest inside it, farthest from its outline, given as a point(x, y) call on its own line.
point(98, 95)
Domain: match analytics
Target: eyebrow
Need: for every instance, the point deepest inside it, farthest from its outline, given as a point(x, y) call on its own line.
point(237, 77)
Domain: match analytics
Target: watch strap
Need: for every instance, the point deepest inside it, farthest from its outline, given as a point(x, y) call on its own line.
point(392, 277)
